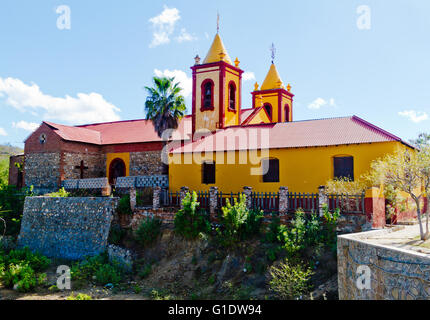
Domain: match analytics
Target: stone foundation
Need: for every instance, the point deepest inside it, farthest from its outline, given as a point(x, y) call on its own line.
point(42, 171)
point(69, 228)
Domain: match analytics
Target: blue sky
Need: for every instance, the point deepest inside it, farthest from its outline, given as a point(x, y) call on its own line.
point(96, 70)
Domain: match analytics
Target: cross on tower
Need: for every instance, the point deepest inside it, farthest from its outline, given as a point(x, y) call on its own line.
point(273, 50)
point(81, 168)
point(217, 22)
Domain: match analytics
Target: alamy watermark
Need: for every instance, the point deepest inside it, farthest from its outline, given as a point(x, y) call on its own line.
point(64, 20)
point(364, 19)
point(364, 277)
point(64, 281)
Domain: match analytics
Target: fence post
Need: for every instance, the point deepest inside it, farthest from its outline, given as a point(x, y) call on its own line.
point(132, 199)
point(182, 195)
point(213, 200)
point(283, 200)
point(156, 198)
point(248, 191)
point(322, 199)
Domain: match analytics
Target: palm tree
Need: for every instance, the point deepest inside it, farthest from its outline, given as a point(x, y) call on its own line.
point(164, 105)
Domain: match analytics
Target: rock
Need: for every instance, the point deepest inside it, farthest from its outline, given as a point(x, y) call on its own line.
point(230, 266)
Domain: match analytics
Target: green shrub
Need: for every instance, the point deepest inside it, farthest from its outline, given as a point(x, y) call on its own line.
point(329, 228)
point(149, 230)
point(189, 221)
point(98, 268)
point(11, 208)
point(238, 222)
point(289, 281)
point(79, 296)
point(22, 268)
point(145, 270)
point(108, 273)
point(61, 193)
point(116, 234)
point(124, 205)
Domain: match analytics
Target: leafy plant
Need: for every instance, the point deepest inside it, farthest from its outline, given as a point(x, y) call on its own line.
point(289, 281)
point(189, 221)
point(116, 234)
point(124, 206)
point(145, 271)
point(79, 296)
point(22, 269)
point(97, 268)
point(148, 231)
point(238, 222)
point(61, 193)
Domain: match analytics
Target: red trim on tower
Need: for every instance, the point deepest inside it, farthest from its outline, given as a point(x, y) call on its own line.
point(279, 107)
point(232, 83)
point(193, 121)
point(221, 96)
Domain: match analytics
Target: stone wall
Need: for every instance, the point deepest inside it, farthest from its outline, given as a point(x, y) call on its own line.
point(145, 163)
point(95, 162)
point(395, 274)
point(69, 228)
point(42, 170)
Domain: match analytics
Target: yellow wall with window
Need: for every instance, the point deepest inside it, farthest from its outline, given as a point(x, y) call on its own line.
point(300, 169)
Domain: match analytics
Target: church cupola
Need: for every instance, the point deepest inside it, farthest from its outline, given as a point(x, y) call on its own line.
point(217, 84)
point(277, 101)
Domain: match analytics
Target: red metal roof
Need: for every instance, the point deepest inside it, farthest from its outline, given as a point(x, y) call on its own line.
point(130, 131)
point(309, 133)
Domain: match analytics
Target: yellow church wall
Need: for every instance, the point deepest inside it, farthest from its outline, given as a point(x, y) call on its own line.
point(231, 117)
point(123, 156)
point(271, 98)
point(301, 169)
point(286, 100)
point(207, 119)
point(260, 117)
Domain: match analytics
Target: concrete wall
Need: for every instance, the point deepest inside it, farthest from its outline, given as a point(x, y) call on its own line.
point(395, 274)
point(69, 228)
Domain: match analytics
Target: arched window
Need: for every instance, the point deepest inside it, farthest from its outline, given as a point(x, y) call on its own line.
point(207, 94)
point(287, 113)
point(116, 169)
point(232, 96)
point(344, 167)
point(268, 108)
point(270, 169)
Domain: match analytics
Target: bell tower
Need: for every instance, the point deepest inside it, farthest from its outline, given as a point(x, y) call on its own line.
point(217, 84)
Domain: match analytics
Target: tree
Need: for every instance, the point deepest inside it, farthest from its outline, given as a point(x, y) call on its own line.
point(164, 105)
point(405, 171)
point(422, 140)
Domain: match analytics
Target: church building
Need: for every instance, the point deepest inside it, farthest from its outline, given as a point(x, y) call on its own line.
point(221, 143)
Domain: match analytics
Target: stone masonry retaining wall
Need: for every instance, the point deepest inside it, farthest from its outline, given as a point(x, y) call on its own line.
point(42, 170)
point(396, 274)
point(69, 228)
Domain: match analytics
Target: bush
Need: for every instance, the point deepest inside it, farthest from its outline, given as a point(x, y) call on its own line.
point(108, 273)
point(289, 281)
point(238, 222)
point(149, 230)
point(189, 221)
point(61, 193)
point(11, 208)
point(116, 234)
point(124, 205)
point(79, 296)
point(98, 268)
point(22, 268)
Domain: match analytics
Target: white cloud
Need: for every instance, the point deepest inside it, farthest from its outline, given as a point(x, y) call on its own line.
point(185, 36)
point(414, 116)
point(85, 108)
point(164, 25)
point(320, 102)
point(247, 76)
point(3, 132)
point(185, 82)
point(28, 126)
